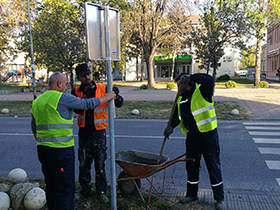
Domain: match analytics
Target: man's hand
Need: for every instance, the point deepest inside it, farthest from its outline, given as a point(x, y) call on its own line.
point(109, 96)
point(168, 131)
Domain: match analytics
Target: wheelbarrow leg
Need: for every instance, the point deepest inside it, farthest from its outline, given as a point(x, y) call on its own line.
point(163, 181)
point(151, 187)
point(138, 189)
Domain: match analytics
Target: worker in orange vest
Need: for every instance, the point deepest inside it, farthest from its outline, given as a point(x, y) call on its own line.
point(92, 133)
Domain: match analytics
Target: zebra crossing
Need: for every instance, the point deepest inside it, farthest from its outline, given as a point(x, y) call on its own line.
point(267, 134)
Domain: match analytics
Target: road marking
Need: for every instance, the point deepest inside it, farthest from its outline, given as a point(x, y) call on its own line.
point(266, 129)
point(117, 136)
point(266, 141)
point(260, 133)
point(261, 123)
point(273, 164)
point(271, 151)
point(150, 137)
point(262, 128)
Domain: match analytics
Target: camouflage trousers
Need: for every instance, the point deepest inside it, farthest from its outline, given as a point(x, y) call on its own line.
point(92, 147)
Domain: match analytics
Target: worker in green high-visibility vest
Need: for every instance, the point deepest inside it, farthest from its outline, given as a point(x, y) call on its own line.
point(196, 117)
point(52, 126)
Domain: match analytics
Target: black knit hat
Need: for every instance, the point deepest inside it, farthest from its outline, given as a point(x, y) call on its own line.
point(82, 69)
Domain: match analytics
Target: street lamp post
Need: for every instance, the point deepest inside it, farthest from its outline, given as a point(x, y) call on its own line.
point(31, 51)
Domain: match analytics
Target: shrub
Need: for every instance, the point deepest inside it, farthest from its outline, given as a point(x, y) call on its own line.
point(263, 84)
point(171, 85)
point(230, 84)
point(224, 77)
point(144, 87)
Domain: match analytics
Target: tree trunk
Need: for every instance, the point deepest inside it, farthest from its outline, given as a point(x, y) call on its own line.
point(137, 69)
point(151, 79)
point(257, 66)
point(71, 77)
point(142, 66)
point(173, 65)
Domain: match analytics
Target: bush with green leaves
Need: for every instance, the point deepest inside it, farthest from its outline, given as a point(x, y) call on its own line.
point(230, 84)
point(263, 84)
point(171, 85)
point(224, 77)
point(144, 87)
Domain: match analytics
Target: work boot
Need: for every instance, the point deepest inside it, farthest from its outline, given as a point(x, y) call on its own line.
point(221, 205)
point(103, 197)
point(188, 199)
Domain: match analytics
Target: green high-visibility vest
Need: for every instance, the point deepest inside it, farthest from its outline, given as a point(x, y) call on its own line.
point(52, 130)
point(203, 112)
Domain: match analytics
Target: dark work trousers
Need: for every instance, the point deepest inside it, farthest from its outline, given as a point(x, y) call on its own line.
point(58, 167)
point(92, 147)
point(206, 144)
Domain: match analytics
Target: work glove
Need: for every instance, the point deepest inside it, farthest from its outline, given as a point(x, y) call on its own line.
point(168, 131)
point(116, 90)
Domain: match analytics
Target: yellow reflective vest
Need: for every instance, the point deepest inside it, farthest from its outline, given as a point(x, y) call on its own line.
point(203, 112)
point(52, 130)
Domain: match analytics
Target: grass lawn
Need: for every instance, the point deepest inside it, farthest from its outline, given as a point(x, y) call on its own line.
point(148, 110)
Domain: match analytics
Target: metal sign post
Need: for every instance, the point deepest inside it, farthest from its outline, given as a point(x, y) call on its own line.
point(102, 31)
point(111, 109)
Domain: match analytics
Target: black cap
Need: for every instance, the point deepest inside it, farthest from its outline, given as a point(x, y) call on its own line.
point(82, 69)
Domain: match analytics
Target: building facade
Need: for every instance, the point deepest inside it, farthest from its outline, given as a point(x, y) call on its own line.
point(273, 51)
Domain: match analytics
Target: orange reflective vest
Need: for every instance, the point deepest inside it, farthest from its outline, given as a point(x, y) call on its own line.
point(100, 113)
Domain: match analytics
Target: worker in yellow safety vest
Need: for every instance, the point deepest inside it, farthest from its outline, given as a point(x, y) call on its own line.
point(52, 126)
point(196, 117)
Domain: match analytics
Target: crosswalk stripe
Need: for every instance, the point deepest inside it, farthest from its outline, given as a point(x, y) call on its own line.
point(273, 164)
point(266, 141)
point(266, 129)
point(261, 123)
point(260, 133)
point(271, 151)
point(262, 128)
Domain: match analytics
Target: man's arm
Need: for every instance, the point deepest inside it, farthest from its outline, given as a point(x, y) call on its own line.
point(73, 102)
point(207, 85)
point(33, 127)
point(77, 111)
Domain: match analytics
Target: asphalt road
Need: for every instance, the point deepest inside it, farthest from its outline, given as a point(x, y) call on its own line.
point(244, 164)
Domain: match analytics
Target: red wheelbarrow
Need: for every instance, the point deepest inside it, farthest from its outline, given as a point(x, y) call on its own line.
point(137, 165)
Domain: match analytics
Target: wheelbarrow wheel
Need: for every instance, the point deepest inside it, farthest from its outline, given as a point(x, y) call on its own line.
point(128, 186)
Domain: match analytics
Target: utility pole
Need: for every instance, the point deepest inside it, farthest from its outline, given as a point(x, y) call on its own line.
point(31, 52)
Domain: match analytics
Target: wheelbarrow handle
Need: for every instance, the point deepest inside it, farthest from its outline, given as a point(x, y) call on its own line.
point(162, 147)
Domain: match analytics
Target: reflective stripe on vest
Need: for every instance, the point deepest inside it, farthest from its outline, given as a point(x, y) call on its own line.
point(51, 129)
point(55, 139)
point(53, 126)
point(182, 127)
point(203, 112)
point(100, 113)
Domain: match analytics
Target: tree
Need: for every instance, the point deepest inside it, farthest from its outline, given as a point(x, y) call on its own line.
point(13, 15)
point(130, 39)
point(255, 17)
point(209, 41)
point(248, 58)
point(222, 24)
point(58, 34)
point(151, 29)
point(178, 36)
